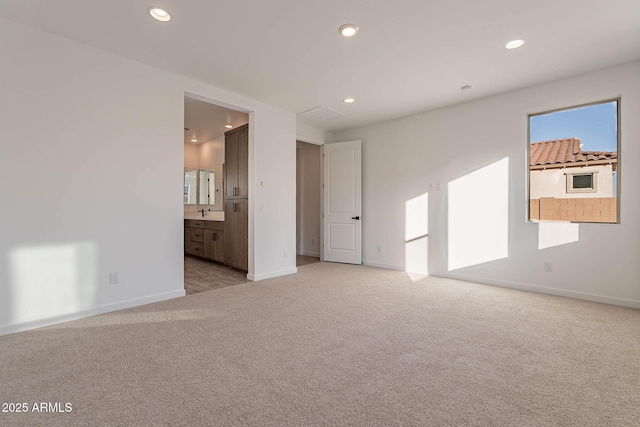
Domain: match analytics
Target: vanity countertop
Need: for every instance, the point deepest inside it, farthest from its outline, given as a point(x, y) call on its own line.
point(209, 216)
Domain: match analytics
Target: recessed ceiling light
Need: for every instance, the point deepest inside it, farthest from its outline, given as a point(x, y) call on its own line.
point(228, 126)
point(514, 44)
point(348, 100)
point(194, 140)
point(348, 30)
point(465, 88)
point(159, 13)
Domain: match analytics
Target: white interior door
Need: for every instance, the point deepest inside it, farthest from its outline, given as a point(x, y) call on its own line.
point(342, 202)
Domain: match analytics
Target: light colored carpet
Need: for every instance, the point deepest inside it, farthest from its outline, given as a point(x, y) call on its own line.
point(335, 345)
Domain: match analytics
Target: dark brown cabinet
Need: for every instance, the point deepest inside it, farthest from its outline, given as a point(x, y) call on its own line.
point(236, 212)
point(214, 241)
point(236, 157)
point(194, 237)
point(236, 228)
point(204, 239)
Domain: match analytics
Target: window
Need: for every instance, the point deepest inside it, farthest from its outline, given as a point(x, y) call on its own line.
point(574, 164)
point(582, 182)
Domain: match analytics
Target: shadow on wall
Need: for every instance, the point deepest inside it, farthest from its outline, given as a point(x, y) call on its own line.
point(478, 216)
point(47, 280)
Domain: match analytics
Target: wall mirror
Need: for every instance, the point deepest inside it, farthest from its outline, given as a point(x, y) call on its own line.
point(210, 187)
point(190, 187)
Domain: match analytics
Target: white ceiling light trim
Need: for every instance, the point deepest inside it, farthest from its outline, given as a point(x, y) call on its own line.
point(348, 30)
point(349, 100)
point(159, 13)
point(228, 126)
point(514, 44)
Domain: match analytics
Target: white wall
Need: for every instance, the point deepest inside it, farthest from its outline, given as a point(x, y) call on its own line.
point(211, 153)
point(312, 135)
point(272, 180)
point(190, 156)
point(308, 209)
point(106, 136)
point(553, 182)
point(402, 157)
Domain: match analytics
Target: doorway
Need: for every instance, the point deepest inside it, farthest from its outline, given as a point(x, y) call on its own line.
point(308, 203)
point(207, 127)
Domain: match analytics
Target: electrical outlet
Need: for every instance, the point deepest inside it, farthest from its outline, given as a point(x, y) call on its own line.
point(548, 267)
point(285, 253)
point(114, 278)
point(379, 248)
point(313, 241)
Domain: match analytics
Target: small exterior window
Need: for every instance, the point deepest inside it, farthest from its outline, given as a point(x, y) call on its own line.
point(582, 182)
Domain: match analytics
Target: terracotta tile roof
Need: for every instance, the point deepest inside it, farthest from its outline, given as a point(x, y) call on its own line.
point(560, 152)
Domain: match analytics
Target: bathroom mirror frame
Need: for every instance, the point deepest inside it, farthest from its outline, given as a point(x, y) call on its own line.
point(214, 199)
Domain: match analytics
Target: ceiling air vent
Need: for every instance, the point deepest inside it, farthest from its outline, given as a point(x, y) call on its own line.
point(319, 114)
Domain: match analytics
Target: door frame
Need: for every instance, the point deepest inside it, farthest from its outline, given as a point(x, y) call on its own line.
point(321, 165)
point(251, 177)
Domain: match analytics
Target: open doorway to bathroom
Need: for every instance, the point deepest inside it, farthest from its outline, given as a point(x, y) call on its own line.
point(308, 207)
point(215, 230)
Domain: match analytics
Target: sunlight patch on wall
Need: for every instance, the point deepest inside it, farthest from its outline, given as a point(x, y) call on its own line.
point(416, 236)
point(552, 234)
point(478, 216)
point(51, 280)
point(416, 258)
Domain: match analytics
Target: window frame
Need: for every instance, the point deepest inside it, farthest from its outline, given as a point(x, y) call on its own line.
point(618, 170)
point(594, 182)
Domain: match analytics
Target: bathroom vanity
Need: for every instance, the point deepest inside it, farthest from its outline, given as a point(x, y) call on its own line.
point(220, 193)
point(204, 238)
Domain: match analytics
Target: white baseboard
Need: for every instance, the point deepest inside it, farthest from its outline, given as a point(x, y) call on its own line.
point(383, 265)
point(264, 276)
point(545, 290)
point(525, 287)
point(34, 324)
point(313, 254)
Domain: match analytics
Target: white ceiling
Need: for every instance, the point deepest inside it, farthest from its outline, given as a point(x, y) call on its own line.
point(409, 55)
point(206, 121)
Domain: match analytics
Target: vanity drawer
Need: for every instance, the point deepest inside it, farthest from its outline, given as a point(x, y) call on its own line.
point(194, 223)
point(214, 225)
point(197, 249)
point(196, 235)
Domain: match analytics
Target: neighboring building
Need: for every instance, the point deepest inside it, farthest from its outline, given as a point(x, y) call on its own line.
point(560, 170)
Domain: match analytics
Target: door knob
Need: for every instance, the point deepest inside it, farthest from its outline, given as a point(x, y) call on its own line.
point(355, 217)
